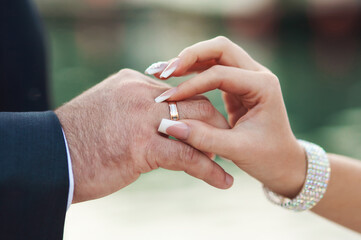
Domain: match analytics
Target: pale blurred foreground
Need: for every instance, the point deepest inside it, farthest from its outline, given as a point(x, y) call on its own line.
point(171, 205)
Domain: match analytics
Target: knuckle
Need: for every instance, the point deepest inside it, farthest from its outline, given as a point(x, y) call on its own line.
point(271, 80)
point(212, 171)
point(150, 162)
point(205, 109)
point(188, 154)
point(226, 45)
point(203, 141)
point(200, 108)
point(272, 77)
point(189, 52)
point(215, 71)
point(201, 97)
point(132, 85)
point(134, 95)
point(222, 40)
point(126, 72)
point(270, 85)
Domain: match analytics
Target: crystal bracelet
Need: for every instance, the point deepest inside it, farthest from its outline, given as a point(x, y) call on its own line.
point(318, 175)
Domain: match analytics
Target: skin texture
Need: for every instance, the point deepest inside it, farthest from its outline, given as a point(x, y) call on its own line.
point(111, 130)
point(261, 141)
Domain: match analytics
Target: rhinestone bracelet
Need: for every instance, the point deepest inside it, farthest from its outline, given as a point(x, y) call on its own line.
point(318, 175)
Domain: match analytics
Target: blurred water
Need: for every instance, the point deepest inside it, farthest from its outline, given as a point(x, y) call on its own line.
point(320, 77)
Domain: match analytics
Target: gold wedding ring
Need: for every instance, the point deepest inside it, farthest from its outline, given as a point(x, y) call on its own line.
point(173, 111)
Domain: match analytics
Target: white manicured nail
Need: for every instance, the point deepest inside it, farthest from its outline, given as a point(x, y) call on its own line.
point(156, 68)
point(174, 128)
point(170, 68)
point(164, 96)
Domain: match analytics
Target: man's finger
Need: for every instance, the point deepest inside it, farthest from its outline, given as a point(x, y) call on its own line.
point(198, 108)
point(175, 155)
point(202, 110)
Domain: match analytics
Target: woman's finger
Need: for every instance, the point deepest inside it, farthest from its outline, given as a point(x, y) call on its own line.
point(201, 66)
point(229, 79)
point(196, 68)
point(219, 50)
point(202, 136)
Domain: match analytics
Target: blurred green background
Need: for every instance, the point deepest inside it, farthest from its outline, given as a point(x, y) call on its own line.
point(312, 46)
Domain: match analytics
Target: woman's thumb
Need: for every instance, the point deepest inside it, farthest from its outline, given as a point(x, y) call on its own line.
point(199, 135)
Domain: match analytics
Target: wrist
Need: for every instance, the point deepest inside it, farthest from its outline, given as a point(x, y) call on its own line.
point(292, 172)
point(316, 182)
point(69, 125)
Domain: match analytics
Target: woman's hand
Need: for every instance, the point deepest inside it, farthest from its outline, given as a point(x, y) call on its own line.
point(261, 141)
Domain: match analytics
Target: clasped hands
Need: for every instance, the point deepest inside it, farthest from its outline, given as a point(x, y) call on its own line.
point(112, 128)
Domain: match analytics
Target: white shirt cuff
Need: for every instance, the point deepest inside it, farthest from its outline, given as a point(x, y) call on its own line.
point(71, 177)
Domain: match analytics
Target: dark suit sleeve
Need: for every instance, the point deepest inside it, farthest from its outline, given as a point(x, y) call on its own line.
point(34, 179)
point(23, 59)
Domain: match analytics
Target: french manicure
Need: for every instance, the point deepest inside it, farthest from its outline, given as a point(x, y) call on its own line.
point(164, 96)
point(156, 68)
point(170, 68)
point(175, 129)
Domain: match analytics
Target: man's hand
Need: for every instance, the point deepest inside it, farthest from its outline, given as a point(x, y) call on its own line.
point(111, 130)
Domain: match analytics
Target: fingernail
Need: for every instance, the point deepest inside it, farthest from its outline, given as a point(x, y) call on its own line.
point(164, 96)
point(156, 68)
point(175, 129)
point(229, 180)
point(170, 68)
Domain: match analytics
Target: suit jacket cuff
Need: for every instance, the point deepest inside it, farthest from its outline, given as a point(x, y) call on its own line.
point(34, 179)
